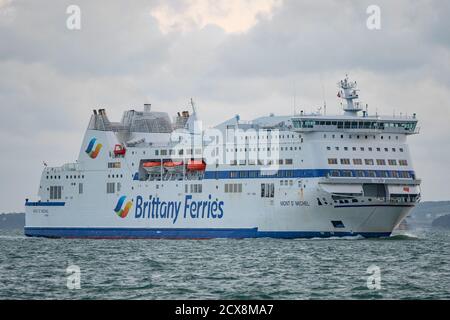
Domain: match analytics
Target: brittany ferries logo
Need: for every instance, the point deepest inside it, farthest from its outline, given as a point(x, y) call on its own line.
point(91, 151)
point(123, 212)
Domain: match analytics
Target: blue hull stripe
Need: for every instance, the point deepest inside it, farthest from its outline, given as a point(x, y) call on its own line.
point(375, 205)
point(45, 204)
point(132, 233)
point(304, 173)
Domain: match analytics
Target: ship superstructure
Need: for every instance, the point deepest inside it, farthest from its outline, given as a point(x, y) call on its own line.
point(303, 175)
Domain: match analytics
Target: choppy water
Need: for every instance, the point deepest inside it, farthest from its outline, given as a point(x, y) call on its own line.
point(413, 266)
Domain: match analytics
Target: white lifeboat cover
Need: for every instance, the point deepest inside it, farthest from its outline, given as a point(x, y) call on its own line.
point(342, 188)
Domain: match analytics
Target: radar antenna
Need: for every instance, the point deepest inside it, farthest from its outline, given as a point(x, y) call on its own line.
point(193, 106)
point(349, 92)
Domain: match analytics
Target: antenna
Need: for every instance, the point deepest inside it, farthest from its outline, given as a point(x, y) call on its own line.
point(295, 96)
point(323, 96)
point(193, 106)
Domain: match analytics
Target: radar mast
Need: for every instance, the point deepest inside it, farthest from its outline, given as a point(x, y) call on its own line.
point(349, 92)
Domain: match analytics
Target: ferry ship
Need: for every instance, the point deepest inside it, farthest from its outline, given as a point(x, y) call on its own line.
point(296, 176)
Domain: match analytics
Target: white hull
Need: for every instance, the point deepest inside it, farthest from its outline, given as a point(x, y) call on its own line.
point(244, 215)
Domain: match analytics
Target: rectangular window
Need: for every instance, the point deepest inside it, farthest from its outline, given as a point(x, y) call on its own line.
point(233, 188)
point(368, 162)
point(243, 174)
point(80, 188)
point(381, 162)
point(267, 190)
point(234, 174)
point(392, 162)
point(113, 165)
point(403, 162)
point(371, 174)
point(346, 173)
point(110, 187)
point(288, 161)
point(357, 161)
point(405, 174)
point(55, 192)
point(195, 188)
point(345, 161)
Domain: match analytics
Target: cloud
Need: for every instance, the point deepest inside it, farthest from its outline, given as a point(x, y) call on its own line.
point(233, 16)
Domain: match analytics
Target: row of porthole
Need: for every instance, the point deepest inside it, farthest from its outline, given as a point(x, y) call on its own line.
point(115, 175)
point(67, 177)
point(357, 137)
point(369, 149)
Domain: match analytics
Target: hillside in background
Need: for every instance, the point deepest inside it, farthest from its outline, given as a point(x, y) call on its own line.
point(12, 220)
point(426, 212)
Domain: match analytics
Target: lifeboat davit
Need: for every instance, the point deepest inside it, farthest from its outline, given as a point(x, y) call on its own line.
point(196, 165)
point(173, 166)
point(152, 166)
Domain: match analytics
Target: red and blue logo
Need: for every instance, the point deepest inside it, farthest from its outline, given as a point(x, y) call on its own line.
point(123, 212)
point(93, 148)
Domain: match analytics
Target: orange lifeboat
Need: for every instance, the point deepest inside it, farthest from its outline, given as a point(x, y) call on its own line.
point(196, 165)
point(173, 166)
point(152, 166)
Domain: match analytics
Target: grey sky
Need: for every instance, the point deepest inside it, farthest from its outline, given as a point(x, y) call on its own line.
point(233, 57)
